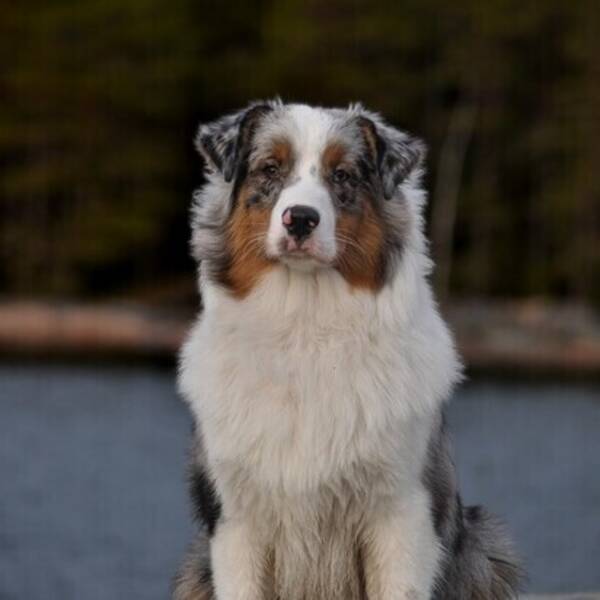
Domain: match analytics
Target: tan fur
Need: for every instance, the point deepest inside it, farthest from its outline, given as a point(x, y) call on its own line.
point(333, 156)
point(281, 151)
point(248, 225)
point(361, 236)
point(245, 233)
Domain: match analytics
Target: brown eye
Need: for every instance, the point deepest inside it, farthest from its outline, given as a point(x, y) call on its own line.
point(271, 170)
point(340, 175)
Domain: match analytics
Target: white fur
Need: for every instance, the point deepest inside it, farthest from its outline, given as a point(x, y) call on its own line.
point(311, 133)
point(309, 394)
point(403, 551)
point(237, 562)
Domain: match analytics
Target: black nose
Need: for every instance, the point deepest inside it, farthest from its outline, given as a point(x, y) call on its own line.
point(300, 220)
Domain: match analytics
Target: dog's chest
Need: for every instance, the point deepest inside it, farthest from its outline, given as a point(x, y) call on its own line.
point(293, 404)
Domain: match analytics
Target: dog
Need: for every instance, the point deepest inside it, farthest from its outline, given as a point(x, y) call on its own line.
point(318, 372)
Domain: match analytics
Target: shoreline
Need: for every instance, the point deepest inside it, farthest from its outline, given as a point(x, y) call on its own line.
point(529, 336)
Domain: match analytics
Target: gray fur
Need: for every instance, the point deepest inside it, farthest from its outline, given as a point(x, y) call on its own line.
point(398, 153)
point(328, 533)
point(480, 562)
point(227, 144)
point(220, 143)
point(194, 579)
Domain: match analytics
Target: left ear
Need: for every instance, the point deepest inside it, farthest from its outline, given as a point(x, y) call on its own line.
point(396, 154)
point(225, 144)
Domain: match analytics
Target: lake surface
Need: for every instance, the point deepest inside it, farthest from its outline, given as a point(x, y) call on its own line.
point(93, 502)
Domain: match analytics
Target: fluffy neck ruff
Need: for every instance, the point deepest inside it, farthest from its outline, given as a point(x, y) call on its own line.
point(303, 315)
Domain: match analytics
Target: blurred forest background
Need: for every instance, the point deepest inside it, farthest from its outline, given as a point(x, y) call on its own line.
point(99, 104)
point(100, 99)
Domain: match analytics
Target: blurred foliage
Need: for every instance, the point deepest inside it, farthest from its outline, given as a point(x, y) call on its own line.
point(99, 100)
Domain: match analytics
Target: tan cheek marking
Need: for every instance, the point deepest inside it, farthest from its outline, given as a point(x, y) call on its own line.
point(246, 233)
point(361, 260)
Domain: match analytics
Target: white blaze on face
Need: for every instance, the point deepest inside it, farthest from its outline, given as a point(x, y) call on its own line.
point(309, 129)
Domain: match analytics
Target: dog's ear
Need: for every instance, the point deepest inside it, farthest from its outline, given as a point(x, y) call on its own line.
point(225, 143)
point(395, 154)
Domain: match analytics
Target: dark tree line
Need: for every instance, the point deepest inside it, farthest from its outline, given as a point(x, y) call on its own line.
point(99, 100)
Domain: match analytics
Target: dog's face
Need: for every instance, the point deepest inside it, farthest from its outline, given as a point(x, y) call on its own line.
point(309, 188)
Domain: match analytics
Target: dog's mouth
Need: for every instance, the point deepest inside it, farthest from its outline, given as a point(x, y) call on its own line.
point(307, 252)
point(294, 246)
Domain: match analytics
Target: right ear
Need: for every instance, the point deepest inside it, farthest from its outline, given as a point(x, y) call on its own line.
point(225, 143)
point(396, 153)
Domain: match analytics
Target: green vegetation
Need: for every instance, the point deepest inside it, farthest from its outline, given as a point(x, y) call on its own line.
point(99, 100)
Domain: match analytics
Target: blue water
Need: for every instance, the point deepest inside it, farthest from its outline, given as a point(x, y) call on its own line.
point(93, 503)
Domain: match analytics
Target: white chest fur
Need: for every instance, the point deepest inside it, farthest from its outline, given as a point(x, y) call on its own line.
point(305, 379)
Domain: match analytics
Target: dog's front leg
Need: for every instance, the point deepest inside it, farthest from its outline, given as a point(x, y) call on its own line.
point(401, 550)
point(238, 561)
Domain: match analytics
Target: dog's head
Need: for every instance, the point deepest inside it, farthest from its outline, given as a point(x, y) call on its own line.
point(305, 188)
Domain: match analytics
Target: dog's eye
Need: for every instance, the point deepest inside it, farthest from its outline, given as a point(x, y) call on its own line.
point(340, 175)
point(271, 170)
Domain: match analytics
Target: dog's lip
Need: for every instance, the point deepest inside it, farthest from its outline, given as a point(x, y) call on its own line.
point(299, 253)
point(308, 251)
point(290, 248)
point(303, 255)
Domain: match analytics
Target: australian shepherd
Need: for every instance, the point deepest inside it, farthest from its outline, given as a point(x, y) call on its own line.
point(318, 371)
